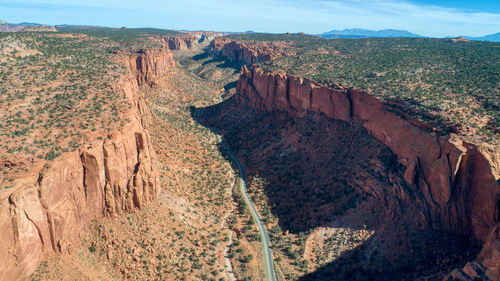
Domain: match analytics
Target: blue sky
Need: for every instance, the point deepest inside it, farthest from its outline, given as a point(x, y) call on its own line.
point(436, 18)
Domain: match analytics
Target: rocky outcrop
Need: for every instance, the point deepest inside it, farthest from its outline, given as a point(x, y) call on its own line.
point(487, 264)
point(249, 54)
point(184, 41)
point(178, 42)
point(456, 181)
point(148, 65)
point(41, 28)
point(206, 35)
point(11, 27)
point(28, 27)
point(47, 212)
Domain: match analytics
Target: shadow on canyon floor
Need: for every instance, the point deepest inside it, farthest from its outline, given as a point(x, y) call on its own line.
point(219, 61)
point(323, 172)
point(217, 68)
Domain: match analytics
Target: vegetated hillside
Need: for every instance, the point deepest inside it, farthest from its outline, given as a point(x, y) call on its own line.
point(296, 39)
point(74, 147)
point(124, 38)
point(58, 89)
point(452, 85)
point(55, 90)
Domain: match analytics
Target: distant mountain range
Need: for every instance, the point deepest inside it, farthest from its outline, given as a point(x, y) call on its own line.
point(349, 33)
point(355, 33)
point(495, 37)
point(366, 33)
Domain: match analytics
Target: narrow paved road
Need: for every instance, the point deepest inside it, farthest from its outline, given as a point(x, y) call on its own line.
point(266, 244)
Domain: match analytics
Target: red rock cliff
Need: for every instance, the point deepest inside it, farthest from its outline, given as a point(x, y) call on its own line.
point(457, 181)
point(46, 212)
point(246, 53)
point(149, 64)
point(178, 42)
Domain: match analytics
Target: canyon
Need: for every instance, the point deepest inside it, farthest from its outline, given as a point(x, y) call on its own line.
point(183, 233)
point(186, 41)
point(247, 53)
point(327, 165)
point(450, 184)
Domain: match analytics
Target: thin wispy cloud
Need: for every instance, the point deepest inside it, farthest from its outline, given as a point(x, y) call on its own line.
point(311, 16)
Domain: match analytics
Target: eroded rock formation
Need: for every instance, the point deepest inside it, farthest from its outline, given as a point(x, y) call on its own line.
point(245, 53)
point(456, 182)
point(47, 211)
point(487, 264)
point(149, 64)
point(178, 42)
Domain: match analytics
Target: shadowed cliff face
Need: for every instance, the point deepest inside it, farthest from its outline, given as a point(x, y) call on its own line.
point(323, 160)
point(177, 42)
point(246, 53)
point(147, 65)
point(437, 192)
point(325, 172)
point(457, 179)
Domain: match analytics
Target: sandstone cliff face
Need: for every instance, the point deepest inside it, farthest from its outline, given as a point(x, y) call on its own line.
point(179, 42)
point(245, 53)
point(457, 182)
point(46, 212)
point(149, 64)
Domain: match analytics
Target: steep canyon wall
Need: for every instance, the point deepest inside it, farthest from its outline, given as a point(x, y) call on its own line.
point(47, 211)
point(245, 53)
point(456, 182)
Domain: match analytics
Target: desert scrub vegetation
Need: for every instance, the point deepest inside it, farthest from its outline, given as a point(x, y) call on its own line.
point(195, 173)
point(454, 86)
point(132, 38)
point(293, 255)
point(297, 39)
point(246, 251)
point(58, 89)
point(142, 248)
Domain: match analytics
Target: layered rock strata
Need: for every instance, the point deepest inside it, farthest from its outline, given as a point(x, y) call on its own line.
point(245, 53)
point(178, 42)
point(47, 211)
point(147, 65)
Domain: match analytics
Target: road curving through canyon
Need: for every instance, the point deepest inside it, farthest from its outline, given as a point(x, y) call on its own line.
point(266, 243)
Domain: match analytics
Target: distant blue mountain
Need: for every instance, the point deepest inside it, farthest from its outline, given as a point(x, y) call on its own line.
point(366, 33)
point(495, 37)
